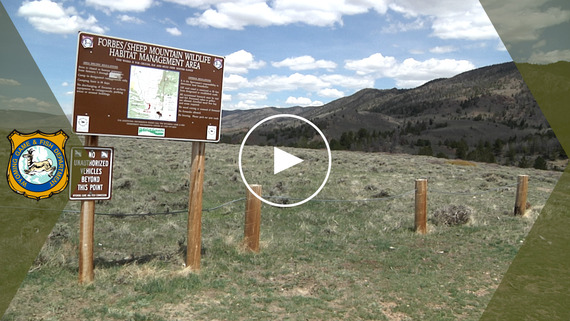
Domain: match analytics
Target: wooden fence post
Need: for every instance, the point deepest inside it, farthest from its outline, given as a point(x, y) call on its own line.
point(252, 219)
point(522, 190)
point(421, 206)
point(194, 233)
point(86, 230)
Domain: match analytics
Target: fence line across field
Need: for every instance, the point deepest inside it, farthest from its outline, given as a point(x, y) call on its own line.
point(211, 209)
point(253, 215)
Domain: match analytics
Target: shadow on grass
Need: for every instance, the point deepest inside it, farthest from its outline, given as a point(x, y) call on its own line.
point(142, 259)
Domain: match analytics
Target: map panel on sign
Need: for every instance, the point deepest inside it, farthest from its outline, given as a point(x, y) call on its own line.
point(153, 94)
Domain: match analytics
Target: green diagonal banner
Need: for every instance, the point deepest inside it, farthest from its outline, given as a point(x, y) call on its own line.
point(537, 284)
point(27, 104)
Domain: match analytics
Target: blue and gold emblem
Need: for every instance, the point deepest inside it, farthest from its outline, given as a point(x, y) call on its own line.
point(38, 166)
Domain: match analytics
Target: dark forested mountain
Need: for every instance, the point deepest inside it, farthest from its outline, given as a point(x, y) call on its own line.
point(487, 114)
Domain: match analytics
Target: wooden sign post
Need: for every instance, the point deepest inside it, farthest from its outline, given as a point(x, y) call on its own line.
point(86, 229)
point(194, 245)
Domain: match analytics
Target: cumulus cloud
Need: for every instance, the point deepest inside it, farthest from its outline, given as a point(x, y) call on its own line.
point(9, 82)
point(375, 63)
point(197, 3)
point(449, 19)
point(363, 81)
point(130, 19)
point(400, 26)
point(292, 82)
point(331, 93)
point(540, 57)
point(26, 103)
point(472, 25)
point(305, 63)
point(121, 5)
point(296, 81)
point(239, 14)
point(302, 101)
point(242, 104)
point(501, 46)
point(524, 20)
point(240, 62)
point(410, 72)
point(252, 96)
point(174, 31)
point(234, 82)
point(51, 17)
point(443, 49)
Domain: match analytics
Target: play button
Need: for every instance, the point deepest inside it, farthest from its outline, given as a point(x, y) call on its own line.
point(283, 160)
point(290, 174)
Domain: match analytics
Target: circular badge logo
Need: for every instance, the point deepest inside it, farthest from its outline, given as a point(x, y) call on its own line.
point(37, 167)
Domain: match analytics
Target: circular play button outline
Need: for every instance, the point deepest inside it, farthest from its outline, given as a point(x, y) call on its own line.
point(285, 116)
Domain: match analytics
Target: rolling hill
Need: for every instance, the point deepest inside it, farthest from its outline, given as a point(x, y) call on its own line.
point(487, 114)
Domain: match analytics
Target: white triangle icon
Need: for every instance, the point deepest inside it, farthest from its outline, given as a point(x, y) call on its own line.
point(283, 160)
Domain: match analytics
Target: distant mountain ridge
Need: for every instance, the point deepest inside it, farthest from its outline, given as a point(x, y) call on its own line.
point(489, 111)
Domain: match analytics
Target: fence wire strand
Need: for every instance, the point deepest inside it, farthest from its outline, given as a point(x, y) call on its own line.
point(211, 209)
point(506, 187)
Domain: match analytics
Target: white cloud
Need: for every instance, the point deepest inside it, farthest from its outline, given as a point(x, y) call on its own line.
point(348, 82)
point(240, 62)
point(410, 72)
point(121, 5)
point(64, 84)
point(448, 19)
point(9, 82)
point(399, 26)
point(304, 63)
point(524, 20)
point(174, 31)
point(51, 17)
point(376, 63)
point(239, 14)
point(252, 96)
point(26, 103)
point(451, 19)
point(197, 3)
point(235, 82)
point(302, 101)
point(442, 49)
point(130, 19)
point(331, 93)
point(540, 57)
point(242, 104)
point(413, 73)
point(471, 25)
point(500, 46)
point(292, 82)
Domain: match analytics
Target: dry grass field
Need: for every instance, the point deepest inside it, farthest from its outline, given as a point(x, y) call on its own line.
point(324, 260)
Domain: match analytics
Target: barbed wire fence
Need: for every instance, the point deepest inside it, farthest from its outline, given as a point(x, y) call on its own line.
point(283, 198)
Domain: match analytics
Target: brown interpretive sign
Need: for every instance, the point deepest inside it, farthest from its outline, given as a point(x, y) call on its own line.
point(134, 89)
point(92, 168)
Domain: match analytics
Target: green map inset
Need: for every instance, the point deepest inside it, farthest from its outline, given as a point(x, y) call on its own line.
point(153, 94)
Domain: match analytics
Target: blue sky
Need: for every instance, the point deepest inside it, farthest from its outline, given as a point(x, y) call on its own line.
point(278, 53)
